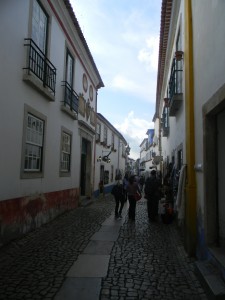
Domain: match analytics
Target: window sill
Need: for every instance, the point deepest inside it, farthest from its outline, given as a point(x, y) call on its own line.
point(73, 115)
point(31, 175)
point(37, 84)
point(64, 174)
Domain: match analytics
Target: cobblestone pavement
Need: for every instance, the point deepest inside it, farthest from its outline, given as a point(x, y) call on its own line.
point(35, 266)
point(147, 261)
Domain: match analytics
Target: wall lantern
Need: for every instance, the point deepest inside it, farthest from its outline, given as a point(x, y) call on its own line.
point(179, 55)
point(128, 149)
point(166, 102)
point(104, 158)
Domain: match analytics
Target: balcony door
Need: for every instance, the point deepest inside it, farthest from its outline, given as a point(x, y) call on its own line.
point(85, 170)
point(221, 176)
point(39, 26)
point(69, 69)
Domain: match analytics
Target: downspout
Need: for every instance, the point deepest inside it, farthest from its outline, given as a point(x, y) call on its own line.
point(118, 162)
point(94, 162)
point(190, 226)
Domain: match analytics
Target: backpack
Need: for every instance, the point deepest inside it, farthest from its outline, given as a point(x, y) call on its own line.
point(151, 186)
point(117, 191)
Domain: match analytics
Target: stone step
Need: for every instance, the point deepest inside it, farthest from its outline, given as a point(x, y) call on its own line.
point(212, 279)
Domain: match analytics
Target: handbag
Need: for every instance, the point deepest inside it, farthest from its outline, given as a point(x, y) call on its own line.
point(137, 196)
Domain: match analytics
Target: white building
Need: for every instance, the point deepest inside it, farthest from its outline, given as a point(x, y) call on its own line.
point(150, 155)
point(49, 84)
point(111, 155)
point(191, 106)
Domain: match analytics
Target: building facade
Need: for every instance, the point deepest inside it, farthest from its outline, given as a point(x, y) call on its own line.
point(111, 155)
point(190, 105)
point(49, 85)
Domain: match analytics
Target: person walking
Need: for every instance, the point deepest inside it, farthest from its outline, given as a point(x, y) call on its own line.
point(141, 182)
point(132, 189)
point(118, 193)
point(152, 191)
point(125, 184)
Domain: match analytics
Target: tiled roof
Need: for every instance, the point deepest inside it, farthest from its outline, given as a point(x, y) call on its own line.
point(164, 32)
point(81, 36)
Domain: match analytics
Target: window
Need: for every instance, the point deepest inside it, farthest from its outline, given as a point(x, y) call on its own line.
point(179, 159)
point(92, 117)
point(37, 62)
point(112, 141)
point(106, 177)
point(165, 121)
point(33, 144)
point(39, 26)
point(69, 68)
point(105, 135)
point(178, 41)
point(98, 132)
point(179, 64)
point(65, 152)
point(112, 173)
point(71, 99)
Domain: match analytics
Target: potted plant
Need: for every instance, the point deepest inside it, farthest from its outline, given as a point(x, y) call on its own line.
point(179, 55)
point(166, 102)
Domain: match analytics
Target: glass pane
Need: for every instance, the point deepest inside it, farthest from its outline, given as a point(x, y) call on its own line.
point(32, 158)
point(39, 26)
point(69, 70)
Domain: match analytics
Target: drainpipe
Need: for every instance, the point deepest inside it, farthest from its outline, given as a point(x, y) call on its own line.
point(94, 145)
point(190, 226)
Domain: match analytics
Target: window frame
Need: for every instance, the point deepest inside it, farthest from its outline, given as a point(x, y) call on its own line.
point(69, 68)
point(113, 141)
point(45, 48)
point(98, 132)
point(65, 173)
point(112, 173)
point(28, 174)
point(105, 135)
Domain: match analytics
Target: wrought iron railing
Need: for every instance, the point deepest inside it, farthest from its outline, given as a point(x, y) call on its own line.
point(175, 83)
point(40, 65)
point(71, 99)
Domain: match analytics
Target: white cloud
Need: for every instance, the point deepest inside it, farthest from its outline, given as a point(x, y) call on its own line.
point(127, 82)
point(149, 54)
point(123, 37)
point(134, 131)
point(123, 83)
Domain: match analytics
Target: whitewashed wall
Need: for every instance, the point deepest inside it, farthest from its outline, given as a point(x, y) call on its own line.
point(209, 62)
point(177, 134)
point(15, 93)
point(117, 160)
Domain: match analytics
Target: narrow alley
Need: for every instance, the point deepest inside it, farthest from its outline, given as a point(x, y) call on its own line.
point(145, 260)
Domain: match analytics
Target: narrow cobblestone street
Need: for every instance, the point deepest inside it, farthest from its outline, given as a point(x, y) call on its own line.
point(147, 260)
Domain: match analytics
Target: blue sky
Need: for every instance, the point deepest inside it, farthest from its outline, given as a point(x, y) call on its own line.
point(123, 37)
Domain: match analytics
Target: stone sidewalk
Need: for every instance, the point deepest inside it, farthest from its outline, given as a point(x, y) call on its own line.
point(144, 260)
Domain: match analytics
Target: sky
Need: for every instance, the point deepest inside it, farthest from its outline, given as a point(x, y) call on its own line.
point(123, 37)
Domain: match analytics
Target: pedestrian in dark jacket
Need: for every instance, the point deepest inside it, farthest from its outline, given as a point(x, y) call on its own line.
point(141, 182)
point(118, 193)
point(152, 192)
point(125, 184)
point(132, 188)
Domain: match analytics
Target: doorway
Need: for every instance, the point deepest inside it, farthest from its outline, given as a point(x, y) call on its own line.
point(214, 169)
point(221, 177)
point(85, 169)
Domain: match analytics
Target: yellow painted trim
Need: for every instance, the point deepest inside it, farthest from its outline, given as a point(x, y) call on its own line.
point(191, 215)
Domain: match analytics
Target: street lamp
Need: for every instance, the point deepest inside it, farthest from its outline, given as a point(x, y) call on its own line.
point(128, 149)
point(104, 158)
